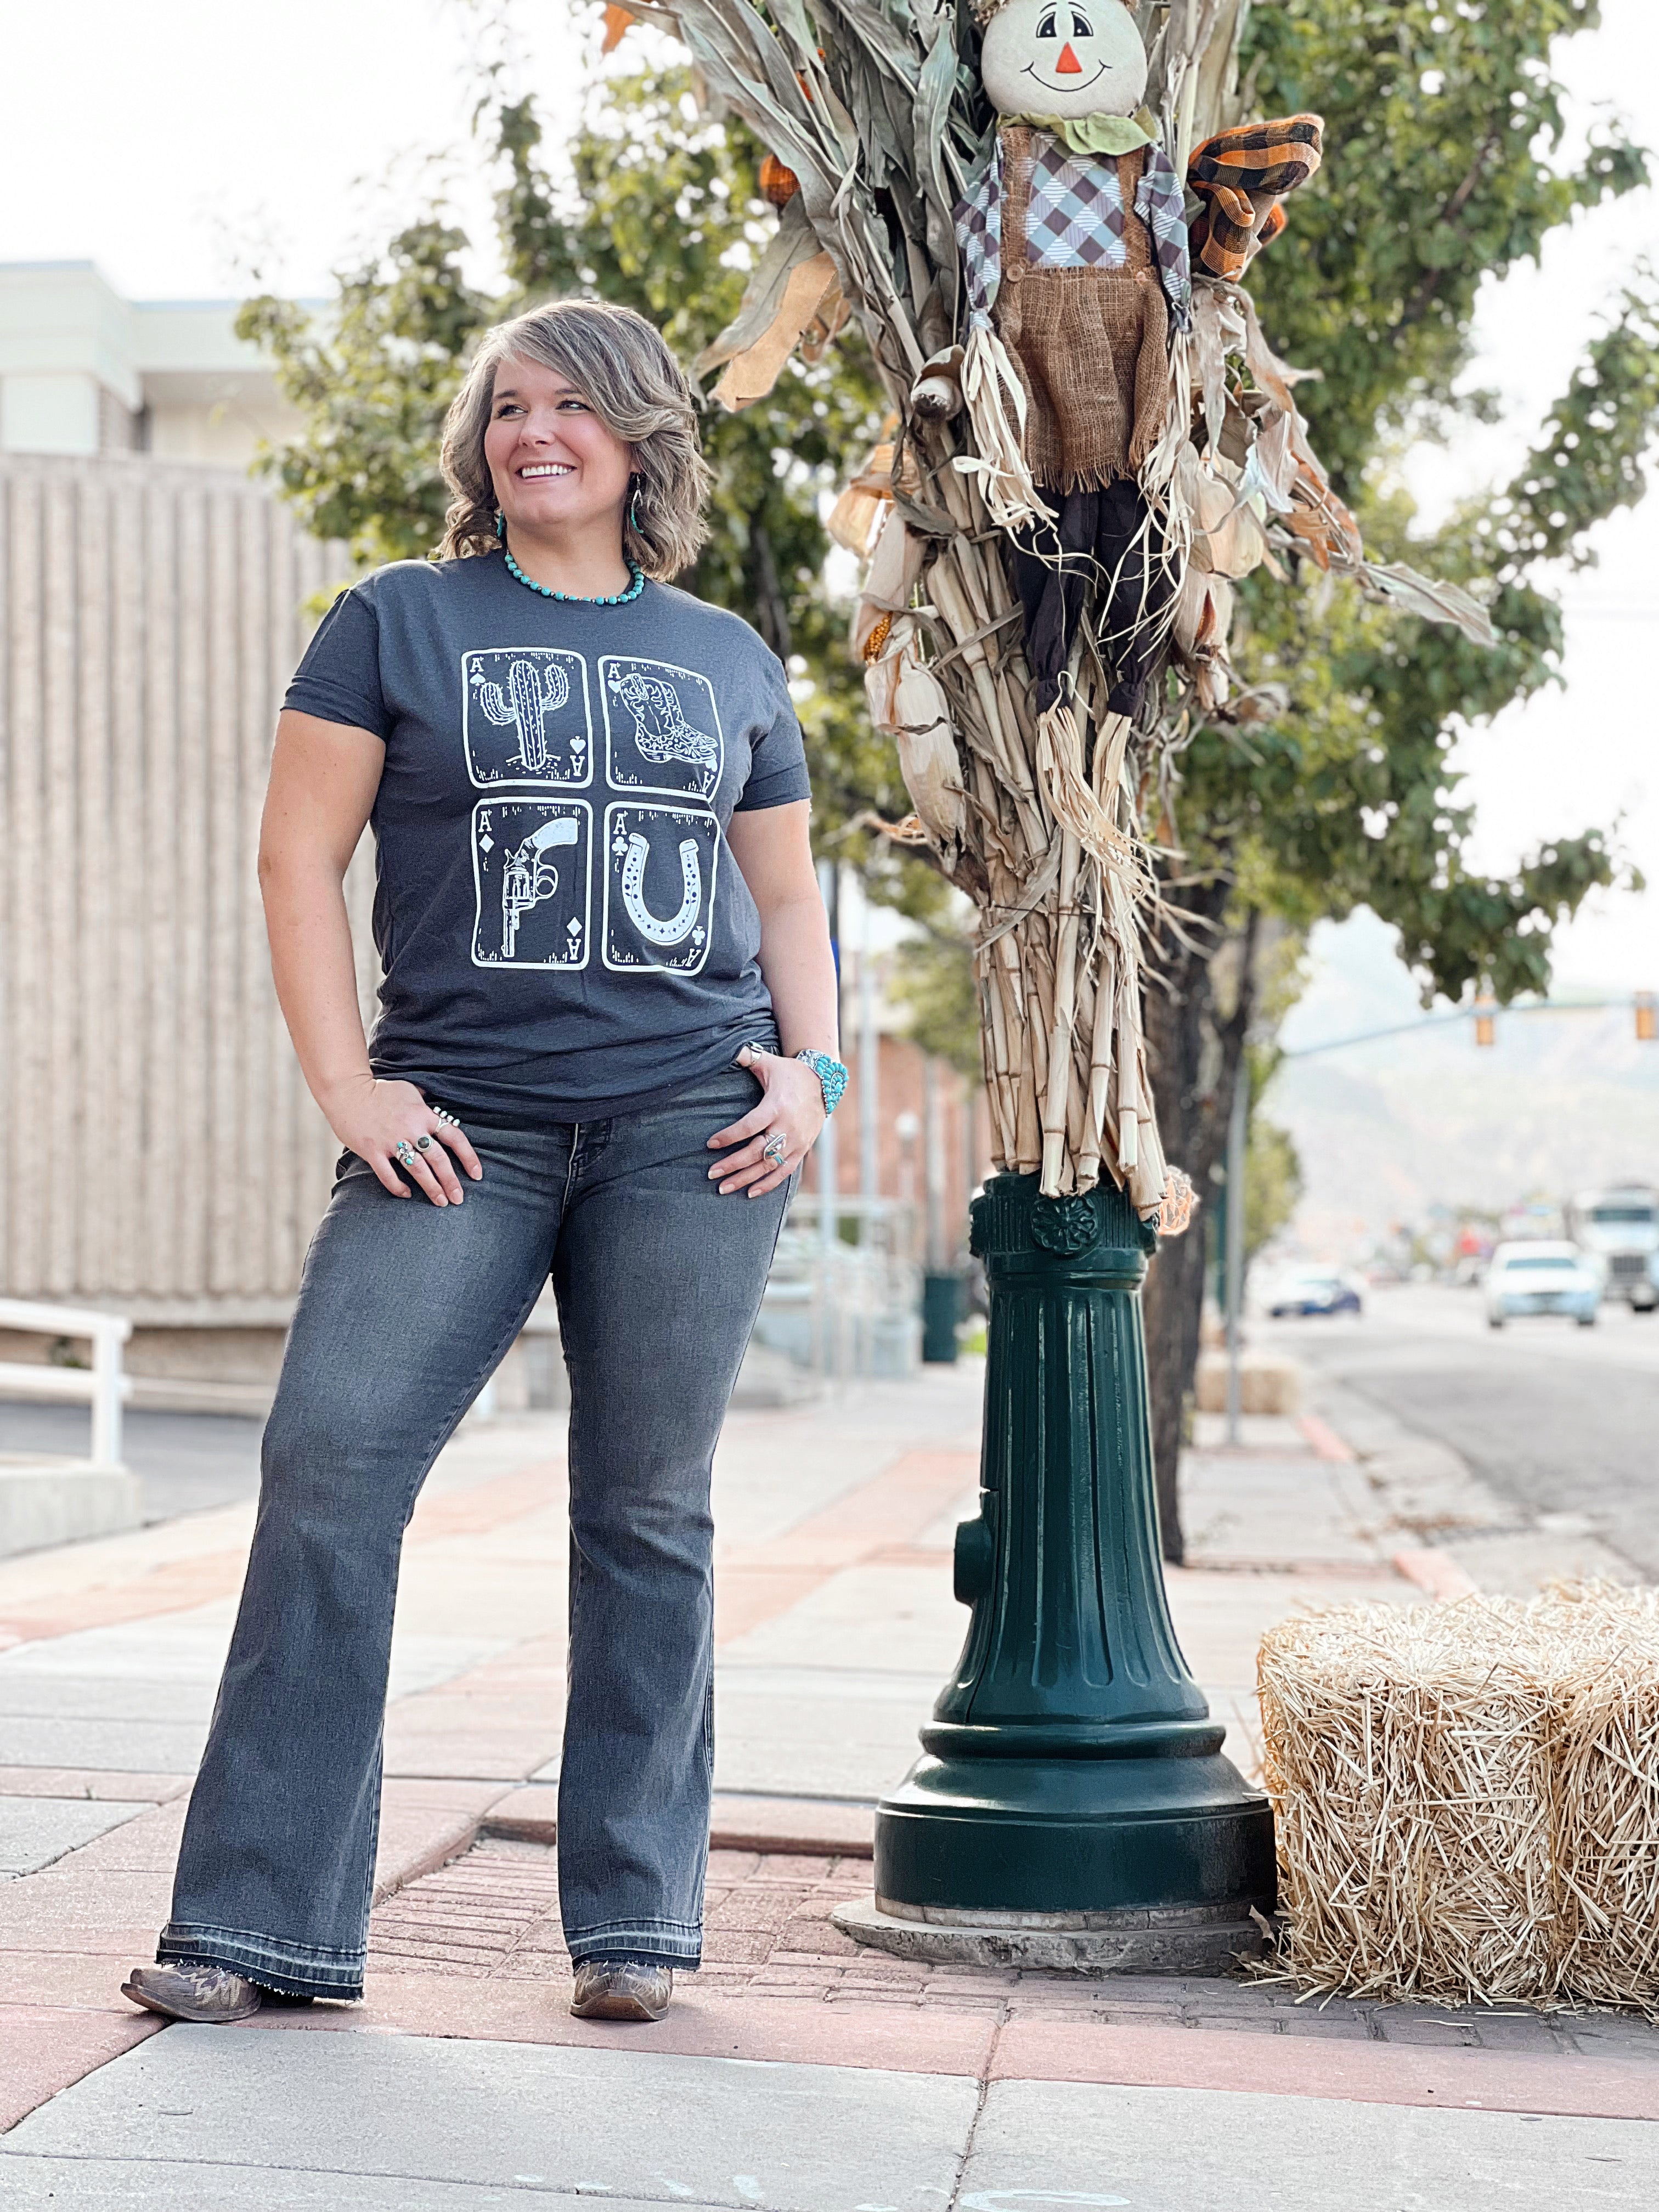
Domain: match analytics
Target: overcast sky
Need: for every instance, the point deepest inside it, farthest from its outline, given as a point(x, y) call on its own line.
point(182, 144)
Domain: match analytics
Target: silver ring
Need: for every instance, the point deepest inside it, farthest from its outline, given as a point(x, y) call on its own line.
point(777, 1152)
point(404, 1152)
point(449, 1120)
point(424, 1144)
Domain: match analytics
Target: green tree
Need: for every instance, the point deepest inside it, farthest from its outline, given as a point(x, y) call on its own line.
point(660, 212)
point(1328, 786)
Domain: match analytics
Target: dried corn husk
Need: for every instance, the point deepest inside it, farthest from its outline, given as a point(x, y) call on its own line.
point(907, 702)
point(872, 111)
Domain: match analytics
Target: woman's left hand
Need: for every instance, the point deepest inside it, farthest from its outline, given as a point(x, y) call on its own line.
point(792, 1113)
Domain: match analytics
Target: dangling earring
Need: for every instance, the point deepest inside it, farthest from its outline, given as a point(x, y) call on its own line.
point(501, 526)
point(634, 508)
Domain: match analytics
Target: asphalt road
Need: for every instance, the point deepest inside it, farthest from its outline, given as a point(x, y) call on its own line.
point(1557, 1418)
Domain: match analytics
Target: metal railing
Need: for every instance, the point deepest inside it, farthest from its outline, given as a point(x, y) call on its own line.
point(102, 1385)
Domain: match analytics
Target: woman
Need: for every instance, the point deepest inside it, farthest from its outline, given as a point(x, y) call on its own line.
point(606, 957)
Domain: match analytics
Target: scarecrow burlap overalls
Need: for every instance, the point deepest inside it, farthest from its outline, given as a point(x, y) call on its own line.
point(1080, 310)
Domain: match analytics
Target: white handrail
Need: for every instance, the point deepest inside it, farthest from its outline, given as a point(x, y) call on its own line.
point(105, 1387)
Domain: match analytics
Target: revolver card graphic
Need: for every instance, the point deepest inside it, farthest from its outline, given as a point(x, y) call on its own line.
point(660, 864)
point(531, 863)
point(525, 716)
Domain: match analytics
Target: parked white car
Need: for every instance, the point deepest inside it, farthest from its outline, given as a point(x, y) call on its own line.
point(1537, 1276)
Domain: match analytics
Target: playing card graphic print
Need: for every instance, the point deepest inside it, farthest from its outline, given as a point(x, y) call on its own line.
point(525, 714)
point(563, 933)
point(533, 881)
point(654, 851)
point(662, 727)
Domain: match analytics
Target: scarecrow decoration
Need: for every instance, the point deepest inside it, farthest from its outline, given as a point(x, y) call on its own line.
point(1040, 216)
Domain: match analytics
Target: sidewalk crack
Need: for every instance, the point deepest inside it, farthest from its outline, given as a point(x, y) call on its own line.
point(978, 2111)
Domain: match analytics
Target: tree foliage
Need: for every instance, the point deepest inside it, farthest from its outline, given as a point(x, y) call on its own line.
point(659, 211)
point(1440, 129)
point(1330, 787)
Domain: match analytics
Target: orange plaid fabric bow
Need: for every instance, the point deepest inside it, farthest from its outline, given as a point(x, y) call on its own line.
point(1241, 175)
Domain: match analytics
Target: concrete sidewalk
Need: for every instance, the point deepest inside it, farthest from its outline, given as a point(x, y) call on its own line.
point(795, 2070)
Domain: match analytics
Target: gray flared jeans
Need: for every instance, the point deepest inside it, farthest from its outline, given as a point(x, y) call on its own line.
point(405, 1311)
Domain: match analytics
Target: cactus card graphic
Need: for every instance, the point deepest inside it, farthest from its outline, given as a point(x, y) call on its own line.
point(531, 868)
point(525, 716)
point(659, 867)
point(661, 730)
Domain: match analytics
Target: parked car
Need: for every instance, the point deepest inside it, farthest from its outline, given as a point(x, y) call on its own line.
point(1538, 1276)
point(1315, 1291)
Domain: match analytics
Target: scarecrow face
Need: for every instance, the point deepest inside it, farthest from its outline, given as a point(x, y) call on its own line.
point(1069, 57)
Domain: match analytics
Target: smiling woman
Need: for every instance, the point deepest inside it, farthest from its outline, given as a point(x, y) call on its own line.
point(605, 959)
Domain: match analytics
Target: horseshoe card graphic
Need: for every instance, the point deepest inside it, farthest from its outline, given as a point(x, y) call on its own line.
point(525, 716)
point(659, 887)
point(661, 730)
point(531, 869)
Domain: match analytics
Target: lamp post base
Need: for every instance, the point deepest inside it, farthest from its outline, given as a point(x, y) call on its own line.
point(1180, 1940)
point(1071, 1807)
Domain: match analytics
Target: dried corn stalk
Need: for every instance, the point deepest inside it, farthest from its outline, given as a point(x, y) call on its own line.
point(870, 106)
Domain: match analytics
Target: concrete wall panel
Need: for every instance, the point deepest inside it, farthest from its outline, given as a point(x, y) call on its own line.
point(164, 1150)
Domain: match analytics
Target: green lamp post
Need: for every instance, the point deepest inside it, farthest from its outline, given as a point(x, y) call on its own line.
point(1071, 1807)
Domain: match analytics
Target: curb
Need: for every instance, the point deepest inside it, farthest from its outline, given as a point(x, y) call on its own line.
point(1436, 1572)
point(806, 1827)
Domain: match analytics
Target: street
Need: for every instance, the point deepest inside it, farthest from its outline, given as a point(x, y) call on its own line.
point(1557, 1419)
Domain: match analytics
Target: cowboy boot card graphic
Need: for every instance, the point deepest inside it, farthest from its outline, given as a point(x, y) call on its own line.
point(532, 871)
point(660, 864)
point(525, 717)
point(662, 732)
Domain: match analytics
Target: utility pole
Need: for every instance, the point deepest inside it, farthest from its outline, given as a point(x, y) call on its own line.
point(932, 1165)
point(824, 1152)
point(869, 1075)
point(1237, 1127)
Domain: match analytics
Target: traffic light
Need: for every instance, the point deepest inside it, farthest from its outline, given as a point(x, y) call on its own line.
point(1647, 1016)
point(1486, 1021)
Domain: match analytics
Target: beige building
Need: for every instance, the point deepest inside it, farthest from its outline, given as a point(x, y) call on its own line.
point(167, 1160)
point(83, 371)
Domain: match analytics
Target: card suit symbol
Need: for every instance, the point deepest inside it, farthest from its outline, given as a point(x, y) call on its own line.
point(486, 844)
point(696, 937)
point(619, 847)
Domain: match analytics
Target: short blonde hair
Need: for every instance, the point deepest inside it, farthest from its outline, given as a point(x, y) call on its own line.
point(622, 367)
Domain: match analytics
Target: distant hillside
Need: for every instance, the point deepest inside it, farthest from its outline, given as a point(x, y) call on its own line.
point(1385, 1130)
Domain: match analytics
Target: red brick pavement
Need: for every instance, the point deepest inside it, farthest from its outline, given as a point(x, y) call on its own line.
point(493, 1916)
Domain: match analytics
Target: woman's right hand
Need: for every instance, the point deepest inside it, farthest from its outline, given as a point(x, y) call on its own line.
point(371, 1118)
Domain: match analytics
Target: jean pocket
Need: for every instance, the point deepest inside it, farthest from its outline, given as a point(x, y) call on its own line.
point(728, 1092)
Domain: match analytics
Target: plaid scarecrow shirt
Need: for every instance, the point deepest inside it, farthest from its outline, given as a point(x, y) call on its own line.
point(1075, 219)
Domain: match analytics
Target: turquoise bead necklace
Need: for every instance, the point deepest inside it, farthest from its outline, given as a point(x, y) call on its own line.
point(573, 598)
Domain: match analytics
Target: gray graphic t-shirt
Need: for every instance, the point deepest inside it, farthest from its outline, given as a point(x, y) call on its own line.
point(564, 932)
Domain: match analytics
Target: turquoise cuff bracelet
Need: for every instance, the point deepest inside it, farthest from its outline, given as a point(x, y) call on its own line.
point(832, 1077)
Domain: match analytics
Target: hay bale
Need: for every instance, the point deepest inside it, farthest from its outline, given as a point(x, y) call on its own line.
point(1267, 1383)
point(1604, 1771)
point(1468, 1797)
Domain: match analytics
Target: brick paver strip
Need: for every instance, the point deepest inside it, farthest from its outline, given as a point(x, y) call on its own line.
point(755, 1583)
point(1365, 2073)
point(95, 1782)
point(490, 1922)
point(46, 2048)
point(701, 2024)
point(1322, 1436)
point(737, 1823)
point(179, 1585)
